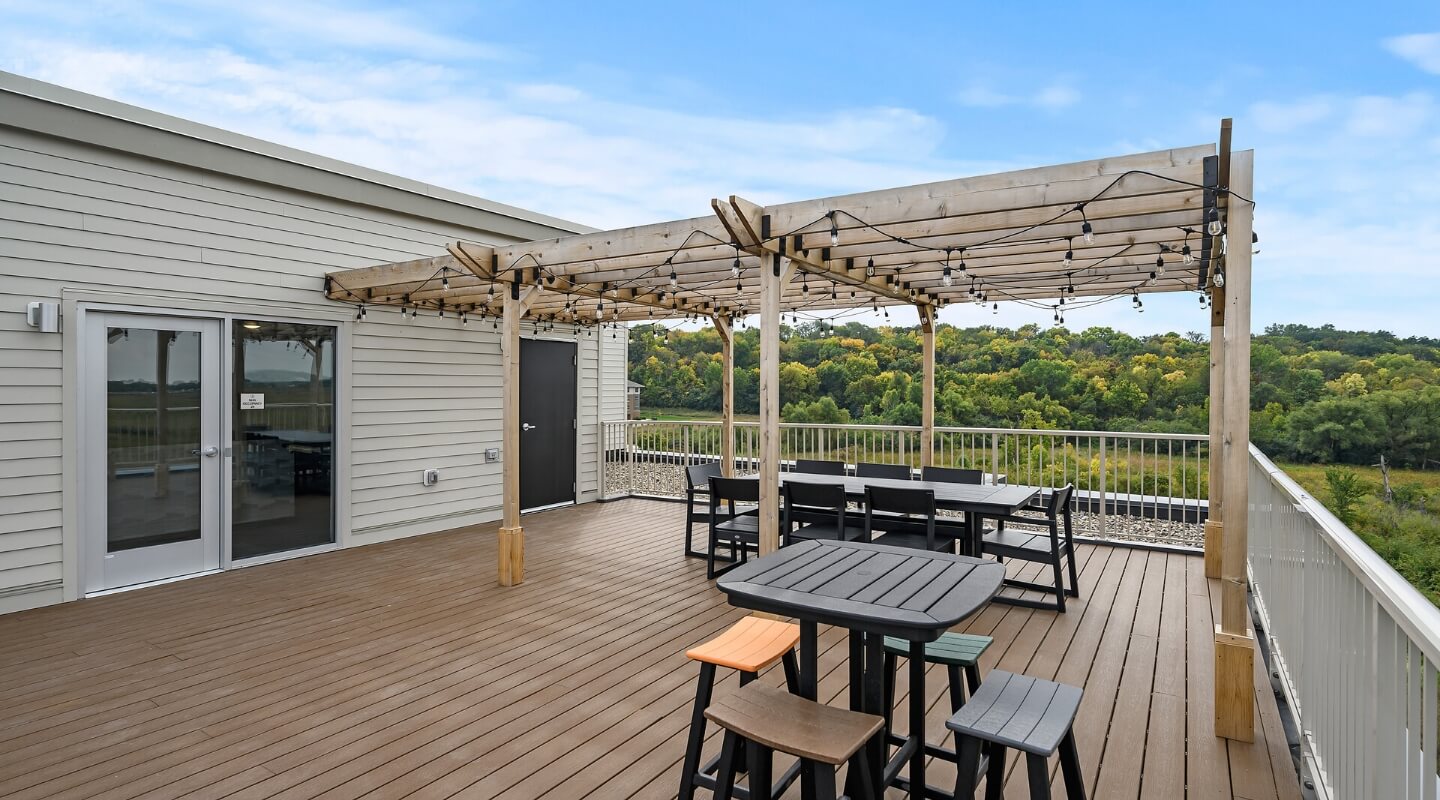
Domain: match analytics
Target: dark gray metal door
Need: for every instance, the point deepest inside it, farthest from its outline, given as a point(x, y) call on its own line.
point(547, 423)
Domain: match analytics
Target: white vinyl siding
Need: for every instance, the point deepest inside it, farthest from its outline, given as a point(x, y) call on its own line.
point(81, 221)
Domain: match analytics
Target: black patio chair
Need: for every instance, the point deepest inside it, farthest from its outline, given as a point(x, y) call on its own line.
point(697, 488)
point(917, 506)
point(817, 467)
point(894, 472)
point(731, 526)
point(1042, 547)
point(819, 510)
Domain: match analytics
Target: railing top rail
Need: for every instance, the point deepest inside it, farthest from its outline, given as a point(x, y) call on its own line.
point(1410, 609)
point(1188, 437)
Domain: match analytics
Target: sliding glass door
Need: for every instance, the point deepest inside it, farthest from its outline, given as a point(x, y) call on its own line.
point(283, 412)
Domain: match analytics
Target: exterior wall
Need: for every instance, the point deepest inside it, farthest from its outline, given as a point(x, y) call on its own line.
point(84, 224)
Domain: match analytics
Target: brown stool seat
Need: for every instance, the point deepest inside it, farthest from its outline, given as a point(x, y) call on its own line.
point(750, 645)
point(791, 724)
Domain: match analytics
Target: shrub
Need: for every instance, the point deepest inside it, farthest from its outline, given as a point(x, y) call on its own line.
point(1346, 489)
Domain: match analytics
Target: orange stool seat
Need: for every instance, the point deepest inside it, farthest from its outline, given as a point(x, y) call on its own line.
point(750, 645)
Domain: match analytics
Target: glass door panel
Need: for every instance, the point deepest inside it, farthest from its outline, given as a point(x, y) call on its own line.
point(283, 407)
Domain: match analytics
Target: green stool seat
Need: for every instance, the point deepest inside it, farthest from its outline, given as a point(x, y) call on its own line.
point(951, 649)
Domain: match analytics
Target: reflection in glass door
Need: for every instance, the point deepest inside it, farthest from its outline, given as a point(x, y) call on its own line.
point(152, 389)
point(283, 409)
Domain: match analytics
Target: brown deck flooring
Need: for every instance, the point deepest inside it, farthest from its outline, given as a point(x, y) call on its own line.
point(403, 670)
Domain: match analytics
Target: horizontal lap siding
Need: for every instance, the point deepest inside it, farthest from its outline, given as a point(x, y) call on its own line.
point(425, 393)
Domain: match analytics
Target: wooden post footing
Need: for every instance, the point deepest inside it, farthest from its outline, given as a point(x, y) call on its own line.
point(1235, 685)
point(512, 556)
point(1214, 547)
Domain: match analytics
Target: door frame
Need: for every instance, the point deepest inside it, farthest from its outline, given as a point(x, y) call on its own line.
point(77, 306)
point(579, 395)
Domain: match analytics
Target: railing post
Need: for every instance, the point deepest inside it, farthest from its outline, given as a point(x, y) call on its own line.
point(1104, 476)
point(685, 439)
point(994, 458)
point(603, 490)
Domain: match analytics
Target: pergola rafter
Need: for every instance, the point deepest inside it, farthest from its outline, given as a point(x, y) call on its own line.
point(1064, 236)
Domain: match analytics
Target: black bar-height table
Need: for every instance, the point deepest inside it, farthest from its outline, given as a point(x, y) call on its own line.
point(874, 591)
point(977, 501)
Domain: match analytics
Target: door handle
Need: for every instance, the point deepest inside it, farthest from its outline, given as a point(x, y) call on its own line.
point(525, 426)
point(209, 452)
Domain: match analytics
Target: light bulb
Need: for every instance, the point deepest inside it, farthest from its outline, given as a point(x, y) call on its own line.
point(945, 277)
point(674, 279)
point(834, 231)
point(1151, 281)
point(1218, 279)
point(1213, 223)
point(445, 283)
point(1202, 301)
point(735, 269)
point(870, 268)
point(1069, 256)
point(464, 320)
point(1088, 232)
point(1186, 256)
point(995, 309)
point(739, 287)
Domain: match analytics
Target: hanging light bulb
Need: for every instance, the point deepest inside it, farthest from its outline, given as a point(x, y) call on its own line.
point(1202, 301)
point(464, 320)
point(1057, 313)
point(1087, 232)
point(1218, 279)
point(1213, 223)
point(739, 287)
point(995, 309)
point(870, 268)
point(1151, 280)
point(962, 261)
point(1255, 242)
point(1160, 265)
point(674, 279)
point(1186, 256)
point(1069, 253)
point(360, 312)
point(804, 285)
point(444, 283)
point(945, 276)
point(834, 231)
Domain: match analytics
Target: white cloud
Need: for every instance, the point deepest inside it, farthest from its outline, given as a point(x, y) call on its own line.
point(1420, 49)
point(1049, 98)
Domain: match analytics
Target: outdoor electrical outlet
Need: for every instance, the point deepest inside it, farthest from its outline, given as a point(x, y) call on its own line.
point(492, 454)
point(431, 477)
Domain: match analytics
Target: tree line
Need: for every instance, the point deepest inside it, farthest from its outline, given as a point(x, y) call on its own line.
point(1317, 393)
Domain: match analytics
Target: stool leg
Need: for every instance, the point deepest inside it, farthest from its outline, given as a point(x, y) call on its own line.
point(967, 766)
point(890, 665)
point(862, 776)
point(1070, 767)
point(824, 780)
point(995, 775)
point(747, 677)
point(792, 671)
point(761, 760)
point(703, 690)
point(972, 677)
point(1039, 776)
point(957, 689)
point(725, 776)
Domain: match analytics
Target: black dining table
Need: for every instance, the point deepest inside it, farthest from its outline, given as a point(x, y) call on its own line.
point(977, 501)
point(872, 590)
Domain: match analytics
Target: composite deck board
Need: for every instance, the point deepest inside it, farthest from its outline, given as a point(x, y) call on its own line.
point(403, 670)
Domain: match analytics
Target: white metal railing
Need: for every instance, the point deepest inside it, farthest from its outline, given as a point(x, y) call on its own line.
point(134, 433)
point(1146, 486)
point(1355, 645)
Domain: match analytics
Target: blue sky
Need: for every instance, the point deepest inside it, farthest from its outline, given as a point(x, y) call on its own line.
point(621, 114)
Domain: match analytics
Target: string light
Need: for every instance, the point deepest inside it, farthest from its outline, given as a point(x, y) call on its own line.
point(464, 320)
point(1186, 256)
point(444, 283)
point(1086, 231)
point(945, 275)
point(1151, 280)
point(1213, 223)
point(995, 309)
point(1069, 252)
point(870, 268)
point(1160, 264)
point(735, 268)
point(834, 231)
point(360, 313)
point(1217, 279)
point(674, 279)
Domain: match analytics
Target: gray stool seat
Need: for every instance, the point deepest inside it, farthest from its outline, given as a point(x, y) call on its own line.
point(1018, 712)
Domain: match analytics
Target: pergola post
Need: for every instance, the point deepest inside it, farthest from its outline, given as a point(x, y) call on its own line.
point(511, 552)
point(1214, 521)
point(927, 385)
point(774, 272)
point(724, 327)
point(1234, 640)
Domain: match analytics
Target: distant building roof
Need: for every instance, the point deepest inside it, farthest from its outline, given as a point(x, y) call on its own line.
point(634, 385)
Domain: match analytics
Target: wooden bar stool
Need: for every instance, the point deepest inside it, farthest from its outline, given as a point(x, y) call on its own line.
point(1028, 714)
point(750, 645)
point(766, 720)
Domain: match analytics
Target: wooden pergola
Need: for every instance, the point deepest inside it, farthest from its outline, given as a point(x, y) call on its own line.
point(1061, 236)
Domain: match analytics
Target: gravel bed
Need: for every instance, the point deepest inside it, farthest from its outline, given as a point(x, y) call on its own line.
point(668, 480)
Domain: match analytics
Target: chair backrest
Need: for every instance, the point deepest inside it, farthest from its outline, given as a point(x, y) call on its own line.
point(734, 490)
point(699, 475)
point(1059, 500)
point(900, 501)
point(952, 475)
point(823, 496)
point(818, 467)
point(898, 472)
